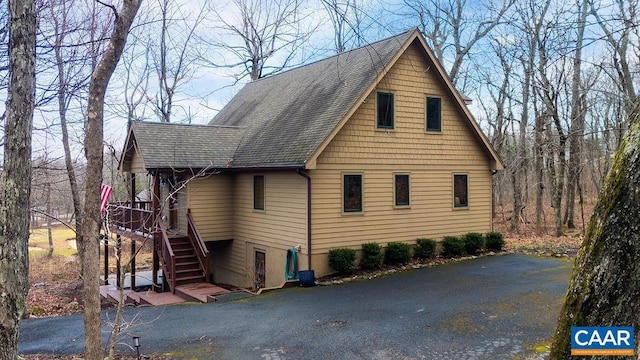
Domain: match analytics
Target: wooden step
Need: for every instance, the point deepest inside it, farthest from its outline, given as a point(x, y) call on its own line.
point(165, 298)
point(184, 252)
point(190, 279)
point(181, 274)
point(202, 292)
point(184, 263)
point(186, 258)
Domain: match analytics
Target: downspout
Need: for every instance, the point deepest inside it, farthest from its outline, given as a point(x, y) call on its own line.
point(493, 172)
point(302, 173)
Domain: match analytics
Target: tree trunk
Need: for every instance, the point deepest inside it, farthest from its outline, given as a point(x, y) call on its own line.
point(16, 175)
point(576, 132)
point(90, 222)
point(62, 112)
point(605, 284)
point(49, 230)
point(539, 171)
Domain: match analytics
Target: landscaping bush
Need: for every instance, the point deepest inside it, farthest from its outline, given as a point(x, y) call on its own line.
point(371, 256)
point(495, 241)
point(424, 249)
point(397, 253)
point(452, 246)
point(473, 242)
point(342, 260)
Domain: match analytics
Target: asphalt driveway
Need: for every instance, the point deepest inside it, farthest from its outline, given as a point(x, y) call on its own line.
point(489, 308)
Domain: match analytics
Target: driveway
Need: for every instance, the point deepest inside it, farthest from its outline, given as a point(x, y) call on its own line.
point(489, 308)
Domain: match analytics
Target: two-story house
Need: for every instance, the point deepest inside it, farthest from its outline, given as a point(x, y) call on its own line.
point(370, 145)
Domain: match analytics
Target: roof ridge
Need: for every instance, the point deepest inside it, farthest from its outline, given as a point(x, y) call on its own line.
point(191, 125)
point(345, 53)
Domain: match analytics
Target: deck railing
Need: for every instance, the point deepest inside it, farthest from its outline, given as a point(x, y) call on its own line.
point(198, 244)
point(167, 257)
point(136, 219)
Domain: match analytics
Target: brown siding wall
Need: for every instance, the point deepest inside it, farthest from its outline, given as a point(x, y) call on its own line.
point(431, 159)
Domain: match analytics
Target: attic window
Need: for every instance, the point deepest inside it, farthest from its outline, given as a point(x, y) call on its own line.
point(385, 110)
point(434, 114)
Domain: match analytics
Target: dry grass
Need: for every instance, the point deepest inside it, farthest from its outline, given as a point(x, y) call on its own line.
point(62, 238)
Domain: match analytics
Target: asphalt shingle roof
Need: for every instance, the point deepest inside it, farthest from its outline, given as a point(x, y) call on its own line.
point(277, 121)
point(169, 145)
point(289, 115)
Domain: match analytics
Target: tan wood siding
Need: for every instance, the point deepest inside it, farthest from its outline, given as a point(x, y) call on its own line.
point(211, 204)
point(282, 225)
point(137, 163)
point(431, 159)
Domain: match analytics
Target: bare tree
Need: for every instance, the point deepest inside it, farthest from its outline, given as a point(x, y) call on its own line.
point(347, 22)
point(89, 228)
point(16, 175)
point(617, 19)
point(175, 58)
point(453, 28)
point(263, 41)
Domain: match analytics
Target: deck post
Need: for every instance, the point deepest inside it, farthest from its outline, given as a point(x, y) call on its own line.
point(155, 204)
point(133, 265)
point(106, 259)
point(118, 264)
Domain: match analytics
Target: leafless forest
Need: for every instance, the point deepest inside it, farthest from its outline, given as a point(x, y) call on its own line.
point(551, 81)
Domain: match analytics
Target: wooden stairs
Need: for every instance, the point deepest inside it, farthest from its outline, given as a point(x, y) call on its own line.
point(190, 281)
point(188, 268)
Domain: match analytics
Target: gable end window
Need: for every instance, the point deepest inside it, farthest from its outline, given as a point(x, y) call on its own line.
point(434, 114)
point(258, 192)
point(385, 110)
point(401, 188)
point(352, 199)
point(460, 191)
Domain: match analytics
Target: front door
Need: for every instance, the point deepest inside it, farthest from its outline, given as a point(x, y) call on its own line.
point(260, 269)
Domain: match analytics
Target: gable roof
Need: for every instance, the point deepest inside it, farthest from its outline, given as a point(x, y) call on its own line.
point(290, 114)
point(169, 145)
point(286, 120)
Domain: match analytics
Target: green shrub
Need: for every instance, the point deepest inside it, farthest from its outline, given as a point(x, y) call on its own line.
point(397, 253)
point(342, 260)
point(424, 249)
point(495, 241)
point(473, 242)
point(452, 246)
point(371, 256)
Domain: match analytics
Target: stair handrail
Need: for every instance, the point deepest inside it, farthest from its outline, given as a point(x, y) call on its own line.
point(198, 244)
point(168, 258)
